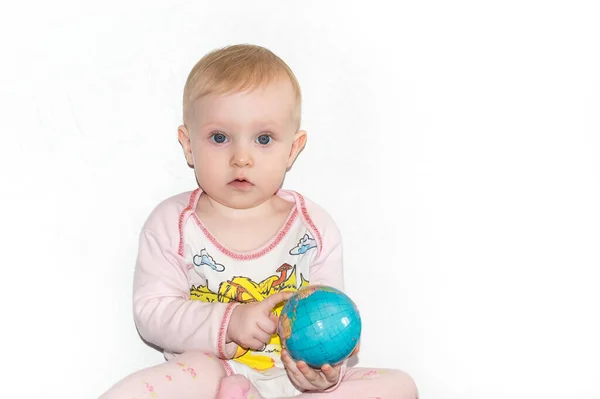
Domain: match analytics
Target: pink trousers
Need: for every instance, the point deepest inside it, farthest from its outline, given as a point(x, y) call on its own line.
point(201, 376)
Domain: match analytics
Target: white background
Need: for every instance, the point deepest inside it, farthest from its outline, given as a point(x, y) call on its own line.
point(456, 144)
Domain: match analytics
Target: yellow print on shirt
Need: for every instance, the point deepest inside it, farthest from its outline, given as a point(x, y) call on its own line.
point(244, 290)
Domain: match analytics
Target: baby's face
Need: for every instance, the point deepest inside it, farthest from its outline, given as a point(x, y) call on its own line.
point(242, 143)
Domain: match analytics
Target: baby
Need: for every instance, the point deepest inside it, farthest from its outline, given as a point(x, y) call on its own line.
point(216, 264)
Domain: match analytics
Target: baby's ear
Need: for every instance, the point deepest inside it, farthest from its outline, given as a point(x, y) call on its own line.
point(297, 146)
point(183, 135)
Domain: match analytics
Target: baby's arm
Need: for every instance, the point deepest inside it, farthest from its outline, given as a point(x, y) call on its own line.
point(328, 267)
point(163, 311)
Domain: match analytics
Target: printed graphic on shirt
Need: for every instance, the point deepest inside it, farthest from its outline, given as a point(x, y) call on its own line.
point(244, 290)
point(205, 259)
point(305, 243)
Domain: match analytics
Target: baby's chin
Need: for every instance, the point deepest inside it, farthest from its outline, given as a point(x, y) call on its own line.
point(242, 200)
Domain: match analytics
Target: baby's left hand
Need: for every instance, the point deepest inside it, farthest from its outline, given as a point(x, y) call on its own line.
point(306, 378)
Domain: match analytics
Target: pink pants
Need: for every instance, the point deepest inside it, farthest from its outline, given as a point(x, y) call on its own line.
point(198, 376)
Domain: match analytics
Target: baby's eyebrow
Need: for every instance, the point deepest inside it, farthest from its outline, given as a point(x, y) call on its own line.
point(210, 126)
point(260, 126)
point(266, 125)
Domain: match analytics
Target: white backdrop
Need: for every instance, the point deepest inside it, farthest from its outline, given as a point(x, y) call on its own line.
point(456, 144)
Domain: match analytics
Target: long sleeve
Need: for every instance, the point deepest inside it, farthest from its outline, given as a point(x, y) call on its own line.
point(328, 267)
point(163, 311)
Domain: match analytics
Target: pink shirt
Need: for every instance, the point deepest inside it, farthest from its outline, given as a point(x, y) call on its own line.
point(171, 265)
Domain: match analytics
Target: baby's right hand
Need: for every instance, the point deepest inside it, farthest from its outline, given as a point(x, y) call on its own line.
point(252, 324)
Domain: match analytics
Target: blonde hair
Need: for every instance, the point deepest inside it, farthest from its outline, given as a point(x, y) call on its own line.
point(236, 68)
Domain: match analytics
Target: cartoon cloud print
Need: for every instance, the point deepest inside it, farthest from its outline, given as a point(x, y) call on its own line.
point(205, 259)
point(304, 245)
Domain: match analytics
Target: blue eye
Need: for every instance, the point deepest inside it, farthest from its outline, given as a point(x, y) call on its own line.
point(219, 138)
point(264, 139)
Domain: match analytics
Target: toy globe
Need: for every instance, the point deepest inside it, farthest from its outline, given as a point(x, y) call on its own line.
point(319, 325)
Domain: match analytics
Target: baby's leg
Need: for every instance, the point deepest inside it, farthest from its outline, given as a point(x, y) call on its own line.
point(237, 387)
point(358, 383)
point(191, 375)
point(367, 383)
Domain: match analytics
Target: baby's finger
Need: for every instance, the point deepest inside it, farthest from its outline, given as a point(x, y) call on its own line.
point(294, 380)
point(271, 301)
point(267, 324)
point(287, 360)
point(355, 350)
point(262, 336)
point(309, 373)
point(255, 344)
point(331, 373)
point(292, 369)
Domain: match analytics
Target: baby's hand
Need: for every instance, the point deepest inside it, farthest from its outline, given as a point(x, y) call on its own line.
point(252, 324)
point(306, 378)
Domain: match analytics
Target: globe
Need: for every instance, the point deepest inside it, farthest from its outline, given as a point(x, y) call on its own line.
point(319, 325)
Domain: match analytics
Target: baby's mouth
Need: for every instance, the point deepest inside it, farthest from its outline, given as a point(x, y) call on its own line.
point(240, 183)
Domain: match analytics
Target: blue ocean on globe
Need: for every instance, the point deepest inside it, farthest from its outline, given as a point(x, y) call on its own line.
point(320, 325)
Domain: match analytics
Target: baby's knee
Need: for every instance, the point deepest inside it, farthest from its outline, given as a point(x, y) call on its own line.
point(194, 363)
point(186, 372)
point(402, 385)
